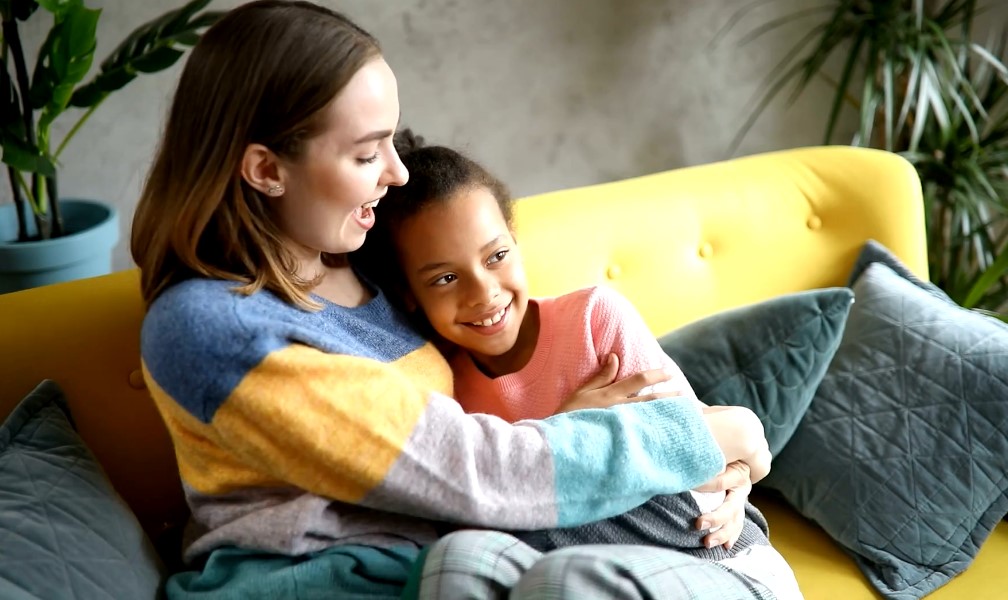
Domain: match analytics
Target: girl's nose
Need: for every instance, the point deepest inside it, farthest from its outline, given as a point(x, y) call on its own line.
point(483, 290)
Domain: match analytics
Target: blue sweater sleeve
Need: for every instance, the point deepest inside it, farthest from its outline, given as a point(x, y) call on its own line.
point(628, 453)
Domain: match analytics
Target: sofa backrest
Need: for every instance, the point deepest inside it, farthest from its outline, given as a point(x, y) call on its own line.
point(85, 335)
point(686, 243)
point(680, 244)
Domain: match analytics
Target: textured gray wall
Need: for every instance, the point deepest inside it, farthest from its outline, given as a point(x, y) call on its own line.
point(548, 93)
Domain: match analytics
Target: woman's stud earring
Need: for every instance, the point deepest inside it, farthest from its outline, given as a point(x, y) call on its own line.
point(275, 189)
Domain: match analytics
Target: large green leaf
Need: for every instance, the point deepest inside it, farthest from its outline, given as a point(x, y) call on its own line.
point(69, 52)
point(157, 59)
point(842, 87)
point(152, 47)
point(988, 280)
point(18, 154)
point(60, 7)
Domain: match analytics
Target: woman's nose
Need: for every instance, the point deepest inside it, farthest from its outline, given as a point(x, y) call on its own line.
point(396, 172)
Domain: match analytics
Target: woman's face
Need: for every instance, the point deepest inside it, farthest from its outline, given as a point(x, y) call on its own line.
point(343, 172)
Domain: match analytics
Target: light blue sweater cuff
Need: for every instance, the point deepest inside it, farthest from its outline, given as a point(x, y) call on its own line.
point(626, 455)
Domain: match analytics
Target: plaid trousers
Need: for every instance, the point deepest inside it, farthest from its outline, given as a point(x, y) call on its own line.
point(478, 565)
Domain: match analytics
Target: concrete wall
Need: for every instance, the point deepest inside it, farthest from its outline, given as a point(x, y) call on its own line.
point(548, 93)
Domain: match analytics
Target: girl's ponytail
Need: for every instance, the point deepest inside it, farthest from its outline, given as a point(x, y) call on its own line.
point(405, 141)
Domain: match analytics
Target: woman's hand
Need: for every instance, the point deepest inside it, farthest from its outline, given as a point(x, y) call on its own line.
point(603, 391)
point(726, 520)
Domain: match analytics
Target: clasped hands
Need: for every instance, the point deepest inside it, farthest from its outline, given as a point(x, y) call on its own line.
point(737, 431)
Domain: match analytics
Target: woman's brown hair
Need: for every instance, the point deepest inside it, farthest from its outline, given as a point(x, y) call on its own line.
point(262, 74)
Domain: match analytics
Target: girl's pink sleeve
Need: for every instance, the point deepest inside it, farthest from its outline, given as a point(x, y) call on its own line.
point(618, 327)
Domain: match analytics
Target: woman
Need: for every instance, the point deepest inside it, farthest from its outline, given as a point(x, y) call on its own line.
point(317, 443)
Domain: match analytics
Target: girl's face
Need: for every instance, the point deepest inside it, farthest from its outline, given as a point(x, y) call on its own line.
point(465, 272)
point(343, 172)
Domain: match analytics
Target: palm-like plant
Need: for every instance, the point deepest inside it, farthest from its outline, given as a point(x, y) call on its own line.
point(922, 87)
point(30, 103)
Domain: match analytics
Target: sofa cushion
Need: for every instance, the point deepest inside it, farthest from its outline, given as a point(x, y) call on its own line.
point(768, 356)
point(64, 532)
point(902, 457)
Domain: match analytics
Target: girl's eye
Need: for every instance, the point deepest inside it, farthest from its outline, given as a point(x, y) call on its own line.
point(369, 159)
point(445, 279)
point(497, 256)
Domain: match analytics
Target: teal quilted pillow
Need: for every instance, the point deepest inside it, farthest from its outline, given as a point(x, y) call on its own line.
point(768, 356)
point(902, 457)
point(64, 532)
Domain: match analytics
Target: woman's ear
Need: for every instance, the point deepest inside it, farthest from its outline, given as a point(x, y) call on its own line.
point(260, 168)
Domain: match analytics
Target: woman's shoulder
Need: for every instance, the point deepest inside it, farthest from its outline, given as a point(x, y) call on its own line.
point(194, 304)
point(204, 312)
point(192, 293)
point(198, 338)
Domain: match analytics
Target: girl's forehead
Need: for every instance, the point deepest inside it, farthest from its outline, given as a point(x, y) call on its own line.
point(467, 216)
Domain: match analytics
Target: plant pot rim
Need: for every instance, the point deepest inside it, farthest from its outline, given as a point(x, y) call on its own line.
point(97, 232)
point(107, 212)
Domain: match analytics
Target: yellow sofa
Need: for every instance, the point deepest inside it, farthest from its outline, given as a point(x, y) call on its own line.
point(680, 244)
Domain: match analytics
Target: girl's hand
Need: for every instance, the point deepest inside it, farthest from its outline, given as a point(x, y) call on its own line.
point(603, 391)
point(728, 518)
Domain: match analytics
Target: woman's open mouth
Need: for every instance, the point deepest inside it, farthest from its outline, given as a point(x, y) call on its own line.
point(365, 214)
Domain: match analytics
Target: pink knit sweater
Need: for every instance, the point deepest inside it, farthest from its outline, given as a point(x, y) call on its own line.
point(576, 332)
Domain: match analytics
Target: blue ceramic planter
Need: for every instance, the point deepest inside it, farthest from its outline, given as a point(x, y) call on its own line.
point(86, 251)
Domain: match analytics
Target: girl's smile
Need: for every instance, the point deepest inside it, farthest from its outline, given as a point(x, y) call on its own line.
point(492, 324)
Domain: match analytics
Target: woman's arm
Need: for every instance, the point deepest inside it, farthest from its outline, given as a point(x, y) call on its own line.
point(355, 431)
point(248, 408)
point(618, 328)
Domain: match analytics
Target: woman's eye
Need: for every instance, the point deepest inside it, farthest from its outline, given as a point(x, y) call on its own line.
point(497, 256)
point(369, 159)
point(445, 279)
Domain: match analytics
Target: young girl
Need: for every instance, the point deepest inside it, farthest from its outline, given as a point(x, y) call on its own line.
point(460, 271)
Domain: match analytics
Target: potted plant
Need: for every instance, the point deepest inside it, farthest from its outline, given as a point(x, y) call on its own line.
point(45, 238)
point(923, 87)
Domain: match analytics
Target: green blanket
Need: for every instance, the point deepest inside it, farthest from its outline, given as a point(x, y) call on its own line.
point(350, 572)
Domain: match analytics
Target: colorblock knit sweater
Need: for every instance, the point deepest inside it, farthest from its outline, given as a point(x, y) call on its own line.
point(296, 431)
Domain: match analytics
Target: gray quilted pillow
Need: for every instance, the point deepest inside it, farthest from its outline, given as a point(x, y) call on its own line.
point(903, 454)
point(768, 356)
point(64, 532)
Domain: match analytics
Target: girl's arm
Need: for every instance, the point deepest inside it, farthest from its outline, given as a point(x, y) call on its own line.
point(604, 390)
point(618, 328)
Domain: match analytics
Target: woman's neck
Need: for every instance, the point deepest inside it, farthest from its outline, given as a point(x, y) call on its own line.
point(338, 283)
